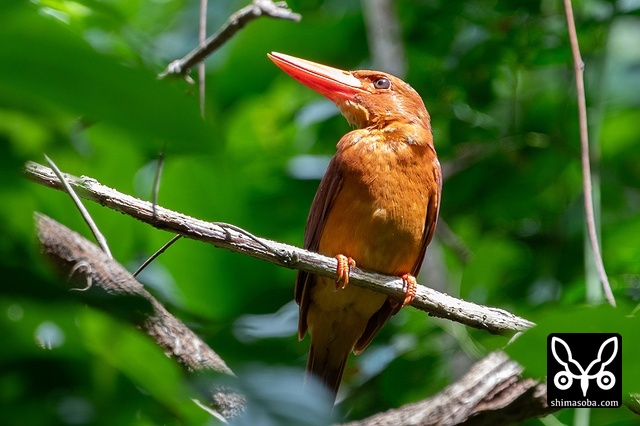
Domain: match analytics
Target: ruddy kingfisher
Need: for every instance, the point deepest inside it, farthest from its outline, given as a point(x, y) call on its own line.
point(377, 206)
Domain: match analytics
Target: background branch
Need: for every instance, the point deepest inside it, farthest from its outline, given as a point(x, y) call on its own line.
point(493, 320)
point(83, 211)
point(202, 38)
point(84, 261)
point(491, 392)
point(578, 66)
point(239, 19)
point(384, 37)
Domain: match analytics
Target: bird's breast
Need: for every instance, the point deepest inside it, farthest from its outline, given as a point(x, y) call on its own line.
point(378, 217)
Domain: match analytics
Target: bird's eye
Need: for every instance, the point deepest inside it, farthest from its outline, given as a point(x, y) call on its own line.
point(382, 83)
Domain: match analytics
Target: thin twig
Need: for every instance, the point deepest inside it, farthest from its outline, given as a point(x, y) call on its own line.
point(202, 38)
point(578, 66)
point(83, 211)
point(249, 235)
point(78, 266)
point(493, 320)
point(156, 254)
point(239, 19)
point(156, 181)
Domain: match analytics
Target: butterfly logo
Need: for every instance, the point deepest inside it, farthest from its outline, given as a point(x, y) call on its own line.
point(595, 370)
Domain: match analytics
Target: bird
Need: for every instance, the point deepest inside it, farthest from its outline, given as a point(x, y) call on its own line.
point(376, 208)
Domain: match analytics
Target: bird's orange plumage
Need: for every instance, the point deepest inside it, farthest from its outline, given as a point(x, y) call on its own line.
point(377, 204)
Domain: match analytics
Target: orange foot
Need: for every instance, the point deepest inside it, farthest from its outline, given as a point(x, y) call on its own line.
point(411, 287)
point(344, 268)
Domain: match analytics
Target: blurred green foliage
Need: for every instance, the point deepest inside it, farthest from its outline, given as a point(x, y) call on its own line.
point(78, 82)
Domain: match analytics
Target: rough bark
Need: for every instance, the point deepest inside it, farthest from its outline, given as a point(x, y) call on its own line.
point(93, 270)
point(491, 393)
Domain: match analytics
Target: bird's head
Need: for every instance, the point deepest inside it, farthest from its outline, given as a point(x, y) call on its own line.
point(365, 98)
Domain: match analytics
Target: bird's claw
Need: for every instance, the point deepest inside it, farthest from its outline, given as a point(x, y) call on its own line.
point(411, 288)
point(344, 268)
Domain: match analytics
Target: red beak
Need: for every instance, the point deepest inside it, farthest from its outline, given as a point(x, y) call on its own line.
point(335, 84)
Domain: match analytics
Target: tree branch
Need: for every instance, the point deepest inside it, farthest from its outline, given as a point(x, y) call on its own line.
point(491, 392)
point(578, 66)
point(83, 211)
point(202, 39)
point(239, 19)
point(493, 320)
point(84, 261)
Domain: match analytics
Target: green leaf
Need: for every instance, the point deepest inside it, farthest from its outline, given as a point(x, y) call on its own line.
point(48, 65)
point(143, 361)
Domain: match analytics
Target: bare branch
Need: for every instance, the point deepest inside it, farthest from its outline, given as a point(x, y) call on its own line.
point(156, 254)
point(69, 250)
point(491, 392)
point(239, 19)
point(156, 180)
point(202, 38)
point(83, 211)
point(578, 66)
point(493, 320)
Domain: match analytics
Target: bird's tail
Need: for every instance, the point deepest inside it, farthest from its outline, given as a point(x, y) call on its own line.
point(326, 362)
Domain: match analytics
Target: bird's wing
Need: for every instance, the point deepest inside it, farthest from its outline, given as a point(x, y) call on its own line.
point(327, 191)
point(431, 218)
point(389, 309)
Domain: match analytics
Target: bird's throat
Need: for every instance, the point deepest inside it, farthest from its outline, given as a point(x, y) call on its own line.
point(356, 114)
